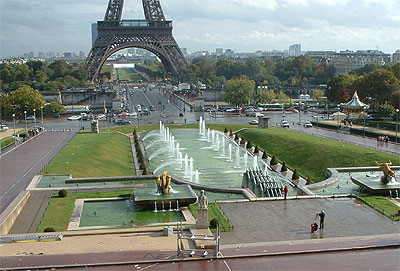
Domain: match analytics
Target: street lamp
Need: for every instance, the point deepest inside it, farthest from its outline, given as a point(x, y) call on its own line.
point(365, 115)
point(397, 123)
point(15, 142)
point(26, 124)
point(34, 116)
point(41, 111)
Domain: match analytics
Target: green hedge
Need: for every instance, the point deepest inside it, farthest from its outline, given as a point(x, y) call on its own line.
point(7, 142)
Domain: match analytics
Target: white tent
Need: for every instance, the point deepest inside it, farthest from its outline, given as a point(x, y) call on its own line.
point(339, 116)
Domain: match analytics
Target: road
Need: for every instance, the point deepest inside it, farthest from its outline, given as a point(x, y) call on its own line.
point(20, 165)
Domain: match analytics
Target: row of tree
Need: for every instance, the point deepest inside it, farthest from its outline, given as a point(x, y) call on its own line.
point(374, 84)
point(27, 99)
point(43, 76)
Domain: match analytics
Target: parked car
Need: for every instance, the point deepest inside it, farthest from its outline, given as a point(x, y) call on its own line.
point(259, 114)
point(122, 121)
point(123, 115)
point(152, 108)
point(3, 127)
point(74, 118)
point(253, 122)
point(133, 114)
point(284, 124)
point(295, 111)
point(308, 124)
point(56, 116)
point(30, 117)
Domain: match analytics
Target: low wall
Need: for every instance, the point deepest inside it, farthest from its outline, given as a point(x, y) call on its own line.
point(10, 214)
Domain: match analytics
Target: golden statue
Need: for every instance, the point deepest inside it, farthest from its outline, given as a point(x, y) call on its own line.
point(387, 172)
point(164, 185)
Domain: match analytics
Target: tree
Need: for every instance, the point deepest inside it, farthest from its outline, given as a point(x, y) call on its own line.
point(318, 94)
point(386, 110)
point(53, 108)
point(26, 99)
point(337, 84)
point(239, 91)
point(395, 99)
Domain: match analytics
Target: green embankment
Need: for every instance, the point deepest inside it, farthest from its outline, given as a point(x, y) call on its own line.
point(311, 155)
point(382, 205)
point(214, 212)
point(94, 155)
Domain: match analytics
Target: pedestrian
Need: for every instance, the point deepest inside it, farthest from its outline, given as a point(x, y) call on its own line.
point(386, 139)
point(285, 192)
point(321, 219)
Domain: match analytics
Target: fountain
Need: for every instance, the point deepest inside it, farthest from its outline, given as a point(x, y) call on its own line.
point(383, 185)
point(230, 152)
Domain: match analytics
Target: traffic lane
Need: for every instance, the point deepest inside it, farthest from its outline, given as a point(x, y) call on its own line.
point(20, 165)
point(377, 259)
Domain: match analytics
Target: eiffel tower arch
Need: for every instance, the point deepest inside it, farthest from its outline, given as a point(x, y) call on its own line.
point(153, 34)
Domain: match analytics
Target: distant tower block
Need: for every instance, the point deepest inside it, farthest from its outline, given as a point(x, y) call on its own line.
point(153, 34)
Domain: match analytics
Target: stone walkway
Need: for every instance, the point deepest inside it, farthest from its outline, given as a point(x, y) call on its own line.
point(267, 221)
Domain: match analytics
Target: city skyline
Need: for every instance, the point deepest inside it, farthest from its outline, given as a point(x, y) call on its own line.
point(243, 26)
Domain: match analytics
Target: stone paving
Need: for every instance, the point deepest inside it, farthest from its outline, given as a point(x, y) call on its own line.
point(266, 221)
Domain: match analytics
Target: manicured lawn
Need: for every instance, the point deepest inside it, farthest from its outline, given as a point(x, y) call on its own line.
point(59, 210)
point(382, 205)
point(94, 155)
point(214, 212)
point(311, 155)
point(128, 74)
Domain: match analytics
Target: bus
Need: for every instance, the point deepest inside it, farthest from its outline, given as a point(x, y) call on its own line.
point(272, 107)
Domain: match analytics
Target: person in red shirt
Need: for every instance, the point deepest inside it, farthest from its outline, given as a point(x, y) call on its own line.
point(285, 192)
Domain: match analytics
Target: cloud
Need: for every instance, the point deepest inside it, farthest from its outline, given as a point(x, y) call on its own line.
point(244, 25)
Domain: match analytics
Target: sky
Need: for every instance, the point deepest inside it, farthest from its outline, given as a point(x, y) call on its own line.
point(241, 25)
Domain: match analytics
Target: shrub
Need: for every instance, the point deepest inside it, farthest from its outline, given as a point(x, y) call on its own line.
point(225, 130)
point(284, 168)
point(273, 161)
point(249, 145)
point(213, 223)
point(264, 156)
point(49, 229)
point(62, 193)
point(145, 172)
point(256, 150)
point(295, 175)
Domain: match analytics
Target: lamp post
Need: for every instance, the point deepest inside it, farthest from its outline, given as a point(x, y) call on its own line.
point(397, 123)
point(15, 142)
point(365, 115)
point(26, 124)
point(34, 116)
point(41, 111)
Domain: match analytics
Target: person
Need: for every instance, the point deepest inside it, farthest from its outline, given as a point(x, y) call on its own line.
point(285, 192)
point(321, 219)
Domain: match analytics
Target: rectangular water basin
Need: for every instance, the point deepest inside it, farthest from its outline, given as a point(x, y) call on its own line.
point(122, 213)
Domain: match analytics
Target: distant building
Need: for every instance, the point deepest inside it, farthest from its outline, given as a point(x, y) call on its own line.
point(94, 32)
point(229, 52)
point(396, 56)
point(42, 55)
point(219, 51)
point(294, 50)
point(185, 52)
point(345, 61)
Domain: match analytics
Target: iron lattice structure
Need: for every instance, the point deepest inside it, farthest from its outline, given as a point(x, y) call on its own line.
point(153, 34)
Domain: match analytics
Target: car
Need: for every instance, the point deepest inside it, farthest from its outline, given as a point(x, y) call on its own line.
point(284, 124)
point(123, 114)
point(152, 108)
point(101, 117)
point(308, 124)
point(56, 116)
point(318, 118)
point(122, 121)
point(295, 111)
point(74, 118)
point(181, 114)
point(144, 113)
point(3, 127)
point(259, 114)
point(253, 122)
point(133, 114)
point(251, 114)
point(30, 117)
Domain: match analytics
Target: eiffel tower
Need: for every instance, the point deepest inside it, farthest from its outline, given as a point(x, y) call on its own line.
point(153, 34)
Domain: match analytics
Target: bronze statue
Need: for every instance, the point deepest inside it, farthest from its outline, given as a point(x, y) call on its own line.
point(387, 172)
point(164, 185)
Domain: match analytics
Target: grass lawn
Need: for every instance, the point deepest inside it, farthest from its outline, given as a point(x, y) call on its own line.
point(311, 155)
point(382, 205)
point(214, 212)
point(59, 210)
point(128, 74)
point(94, 155)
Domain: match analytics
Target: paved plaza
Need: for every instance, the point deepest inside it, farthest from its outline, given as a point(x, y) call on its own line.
point(267, 221)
